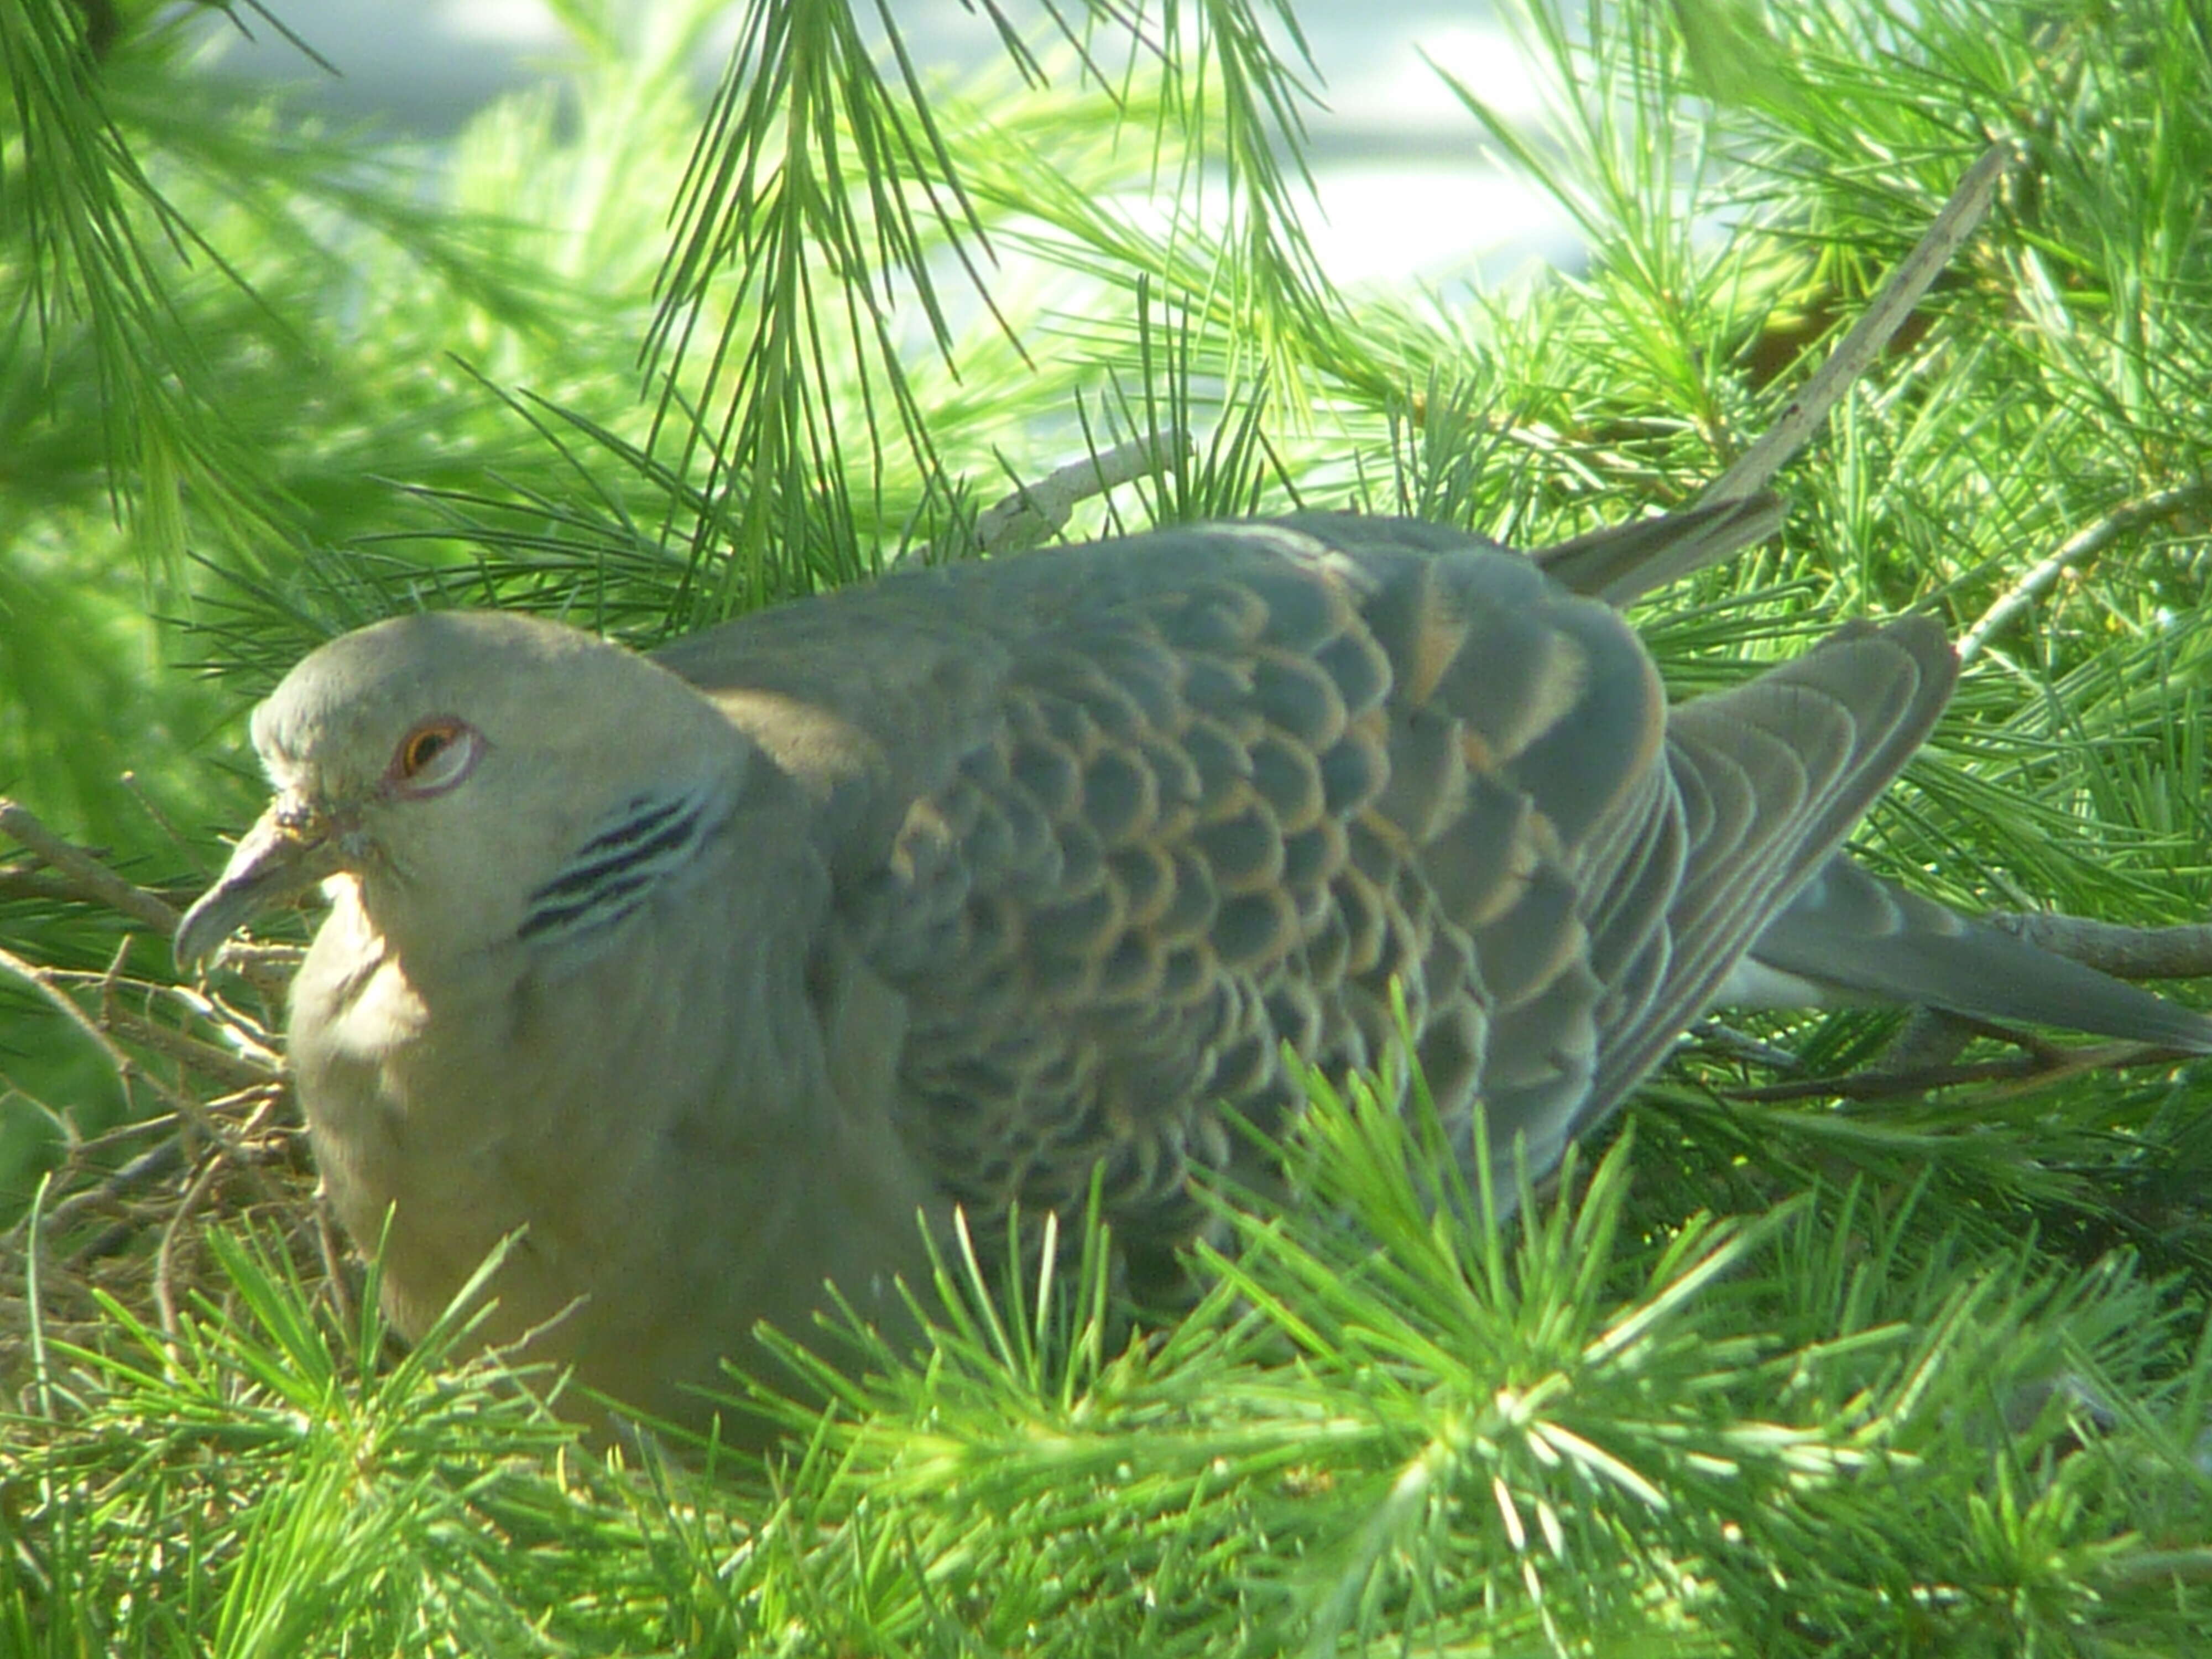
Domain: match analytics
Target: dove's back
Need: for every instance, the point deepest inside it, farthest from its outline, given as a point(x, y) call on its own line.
point(1119, 821)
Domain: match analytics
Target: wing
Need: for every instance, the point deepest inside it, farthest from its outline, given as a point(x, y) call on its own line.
point(1770, 777)
point(1240, 782)
point(1119, 822)
point(1848, 936)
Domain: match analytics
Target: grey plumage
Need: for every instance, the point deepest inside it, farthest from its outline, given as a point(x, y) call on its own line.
point(711, 971)
point(1849, 937)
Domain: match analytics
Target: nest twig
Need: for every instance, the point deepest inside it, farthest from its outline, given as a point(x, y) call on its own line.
point(209, 1132)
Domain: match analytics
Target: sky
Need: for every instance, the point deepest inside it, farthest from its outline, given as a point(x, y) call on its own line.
point(1403, 188)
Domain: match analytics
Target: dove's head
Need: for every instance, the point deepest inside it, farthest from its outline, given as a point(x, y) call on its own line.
point(481, 775)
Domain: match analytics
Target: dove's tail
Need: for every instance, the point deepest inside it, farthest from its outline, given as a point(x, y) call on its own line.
point(1849, 937)
point(1623, 561)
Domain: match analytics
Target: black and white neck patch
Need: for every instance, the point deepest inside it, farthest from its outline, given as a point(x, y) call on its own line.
point(649, 840)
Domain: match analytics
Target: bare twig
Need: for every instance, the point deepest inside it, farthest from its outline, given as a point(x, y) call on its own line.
point(2085, 544)
point(1036, 511)
point(148, 1167)
point(1873, 332)
point(93, 879)
point(1733, 1044)
point(188, 1106)
point(1930, 1038)
point(47, 983)
point(268, 968)
point(2184, 951)
point(155, 1164)
point(162, 1187)
point(230, 1070)
point(2037, 1066)
point(35, 881)
point(146, 804)
point(165, 1297)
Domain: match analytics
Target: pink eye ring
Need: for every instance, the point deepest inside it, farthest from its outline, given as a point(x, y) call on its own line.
point(434, 757)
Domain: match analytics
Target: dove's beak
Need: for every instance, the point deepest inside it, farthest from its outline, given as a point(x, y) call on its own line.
point(288, 851)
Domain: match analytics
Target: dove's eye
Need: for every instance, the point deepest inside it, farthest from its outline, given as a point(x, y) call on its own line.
point(434, 757)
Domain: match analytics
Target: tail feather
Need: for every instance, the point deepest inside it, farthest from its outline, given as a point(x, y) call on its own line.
point(1770, 777)
point(1849, 937)
point(1623, 561)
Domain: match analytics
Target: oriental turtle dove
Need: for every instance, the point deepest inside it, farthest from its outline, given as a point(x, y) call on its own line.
point(705, 972)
